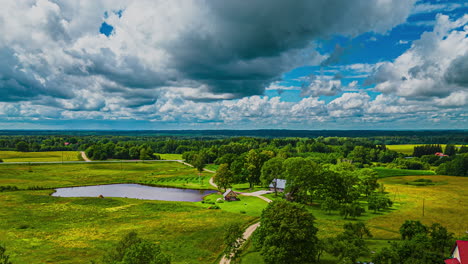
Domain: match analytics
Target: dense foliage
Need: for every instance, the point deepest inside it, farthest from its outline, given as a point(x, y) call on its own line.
point(287, 234)
point(419, 244)
point(134, 250)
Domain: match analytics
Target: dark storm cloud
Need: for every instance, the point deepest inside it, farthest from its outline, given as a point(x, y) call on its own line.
point(248, 45)
point(128, 71)
point(226, 47)
point(457, 72)
point(17, 82)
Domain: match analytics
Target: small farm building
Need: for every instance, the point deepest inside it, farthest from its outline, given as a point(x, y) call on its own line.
point(230, 195)
point(280, 185)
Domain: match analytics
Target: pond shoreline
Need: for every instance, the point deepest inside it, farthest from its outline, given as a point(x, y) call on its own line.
point(134, 191)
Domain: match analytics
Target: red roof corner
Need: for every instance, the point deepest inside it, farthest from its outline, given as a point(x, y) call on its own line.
point(452, 261)
point(462, 251)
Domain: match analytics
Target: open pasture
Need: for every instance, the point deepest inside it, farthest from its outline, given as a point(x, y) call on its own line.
point(26, 176)
point(383, 172)
point(408, 148)
point(170, 156)
point(17, 156)
point(445, 202)
point(38, 228)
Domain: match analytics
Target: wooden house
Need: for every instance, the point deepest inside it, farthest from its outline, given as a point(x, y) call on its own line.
point(230, 195)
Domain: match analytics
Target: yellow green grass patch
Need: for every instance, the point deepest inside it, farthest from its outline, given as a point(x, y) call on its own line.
point(162, 173)
point(38, 228)
point(16, 156)
point(409, 148)
point(444, 203)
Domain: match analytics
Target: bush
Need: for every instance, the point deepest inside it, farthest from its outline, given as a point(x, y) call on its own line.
point(423, 180)
point(132, 249)
point(214, 207)
point(8, 188)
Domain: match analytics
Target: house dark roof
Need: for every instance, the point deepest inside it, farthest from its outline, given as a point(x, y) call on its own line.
point(280, 184)
point(227, 192)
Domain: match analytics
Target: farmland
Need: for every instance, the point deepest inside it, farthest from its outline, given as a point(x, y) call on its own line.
point(39, 221)
point(408, 148)
point(70, 230)
point(17, 156)
point(445, 203)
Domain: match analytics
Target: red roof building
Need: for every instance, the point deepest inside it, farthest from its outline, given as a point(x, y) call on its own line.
point(459, 253)
point(440, 154)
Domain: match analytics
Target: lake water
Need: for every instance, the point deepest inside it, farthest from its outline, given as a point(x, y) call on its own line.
point(137, 191)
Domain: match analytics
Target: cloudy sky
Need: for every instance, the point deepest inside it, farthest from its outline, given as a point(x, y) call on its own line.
point(229, 64)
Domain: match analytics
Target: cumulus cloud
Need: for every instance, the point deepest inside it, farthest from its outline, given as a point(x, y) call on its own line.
point(210, 62)
point(53, 48)
point(434, 67)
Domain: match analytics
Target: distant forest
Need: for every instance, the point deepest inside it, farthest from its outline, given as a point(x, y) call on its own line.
point(387, 137)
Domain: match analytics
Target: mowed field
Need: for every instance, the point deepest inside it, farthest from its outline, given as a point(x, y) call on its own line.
point(409, 148)
point(16, 156)
point(67, 175)
point(170, 156)
point(38, 228)
point(444, 203)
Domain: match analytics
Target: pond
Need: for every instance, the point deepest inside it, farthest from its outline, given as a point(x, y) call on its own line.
point(137, 191)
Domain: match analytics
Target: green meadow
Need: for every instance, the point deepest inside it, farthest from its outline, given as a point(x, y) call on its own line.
point(444, 202)
point(66, 175)
point(383, 172)
point(39, 228)
point(170, 156)
point(408, 148)
point(16, 156)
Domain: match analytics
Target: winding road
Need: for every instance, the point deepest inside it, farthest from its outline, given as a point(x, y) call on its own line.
point(85, 158)
point(250, 229)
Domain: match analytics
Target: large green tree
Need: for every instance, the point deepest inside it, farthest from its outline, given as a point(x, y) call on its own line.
point(419, 245)
point(253, 165)
point(303, 177)
point(224, 177)
point(272, 169)
point(134, 250)
point(287, 234)
point(233, 240)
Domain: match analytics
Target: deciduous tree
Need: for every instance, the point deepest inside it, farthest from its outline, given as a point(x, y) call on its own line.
point(287, 234)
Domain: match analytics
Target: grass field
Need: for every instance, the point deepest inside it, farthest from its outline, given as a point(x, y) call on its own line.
point(383, 172)
point(248, 205)
point(39, 228)
point(212, 167)
point(66, 175)
point(408, 148)
point(170, 156)
point(16, 156)
point(444, 203)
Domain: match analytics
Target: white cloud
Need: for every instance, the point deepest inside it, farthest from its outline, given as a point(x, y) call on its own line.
point(421, 72)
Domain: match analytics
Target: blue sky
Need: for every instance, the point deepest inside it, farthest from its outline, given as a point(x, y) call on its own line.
point(226, 65)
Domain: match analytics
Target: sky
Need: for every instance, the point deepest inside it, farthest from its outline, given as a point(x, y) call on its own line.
point(228, 64)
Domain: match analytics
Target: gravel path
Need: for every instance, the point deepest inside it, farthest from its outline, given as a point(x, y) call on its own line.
point(85, 158)
point(249, 231)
